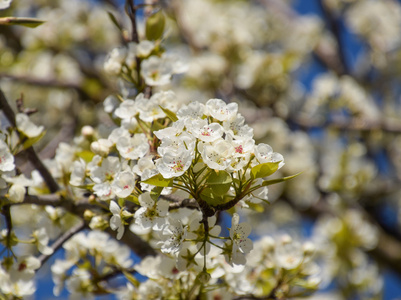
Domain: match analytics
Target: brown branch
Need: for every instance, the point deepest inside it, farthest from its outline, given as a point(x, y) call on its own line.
point(47, 83)
point(328, 55)
point(139, 246)
point(387, 125)
point(334, 25)
point(130, 9)
point(30, 152)
point(388, 249)
point(61, 240)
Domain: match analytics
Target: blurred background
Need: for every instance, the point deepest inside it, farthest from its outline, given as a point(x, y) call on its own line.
point(318, 80)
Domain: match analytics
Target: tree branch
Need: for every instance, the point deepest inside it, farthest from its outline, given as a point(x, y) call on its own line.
point(62, 239)
point(30, 152)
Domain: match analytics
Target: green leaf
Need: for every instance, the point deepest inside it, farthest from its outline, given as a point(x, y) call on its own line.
point(171, 115)
point(278, 180)
point(132, 199)
point(30, 142)
point(86, 155)
point(155, 192)
point(218, 177)
point(258, 207)
point(155, 26)
point(157, 126)
point(211, 197)
point(114, 20)
point(159, 180)
point(219, 182)
point(264, 170)
point(27, 22)
point(131, 278)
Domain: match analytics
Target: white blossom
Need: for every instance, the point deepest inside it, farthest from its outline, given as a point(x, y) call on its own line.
point(172, 236)
point(5, 4)
point(123, 184)
point(151, 213)
point(115, 221)
point(174, 164)
point(6, 158)
point(156, 71)
point(27, 127)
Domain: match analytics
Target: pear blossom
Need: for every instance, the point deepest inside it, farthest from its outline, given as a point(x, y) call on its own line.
point(192, 111)
point(206, 132)
point(218, 155)
point(221, 111)
point(288, 253)
point(133, 147)
point(237, 128)
point(78, 172)
point(105, 171)
point(264, 153)
point(115, 60)
point(156, 71)
point(152, 213)
point(176, 143)
point(115, 221)
point(127, 109)
point(174, 164)
point(241, 244)
point(167, 99)
point(150, 290)
point(79, 284)
point(41, 240)
point(143, 164)
point(110, 104)
point(6, 158)
point(123, 184)
point(16, 193)
point(27, 127)
point(173, 234)
point(103, 190)
point(149, 109)
point(5, 3)
point(101, 147)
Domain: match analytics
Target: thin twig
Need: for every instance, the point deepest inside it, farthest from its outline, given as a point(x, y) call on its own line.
point(131, 12)
point(61, 240)
point(30, 152)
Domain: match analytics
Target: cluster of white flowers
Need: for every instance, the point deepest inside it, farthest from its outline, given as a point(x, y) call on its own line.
point(16, 277)
point(155, 69)
point(79, 250)
point(220, 136)
point(340, 92)
point(290, 260)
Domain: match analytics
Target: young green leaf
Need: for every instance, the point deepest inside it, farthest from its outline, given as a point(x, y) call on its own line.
point(220, 177)
point(30, 142)
point(155, 192)
point(27, 22)
point(264, 170)
point(171, 115)
point(159, 180)
point(155, 26)
point(211, 197)
point(114, 20)
point(278, 180)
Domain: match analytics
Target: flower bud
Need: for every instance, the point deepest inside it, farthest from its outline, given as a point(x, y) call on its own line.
point(204, 277)
point(101, 147)
point(87, 131)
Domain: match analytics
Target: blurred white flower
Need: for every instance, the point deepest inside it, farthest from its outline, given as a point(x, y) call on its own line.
point(5, 3)
point(28, 128)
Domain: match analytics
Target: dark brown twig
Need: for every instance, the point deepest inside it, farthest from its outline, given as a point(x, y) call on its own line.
point(61, 240)
point(30, 152)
